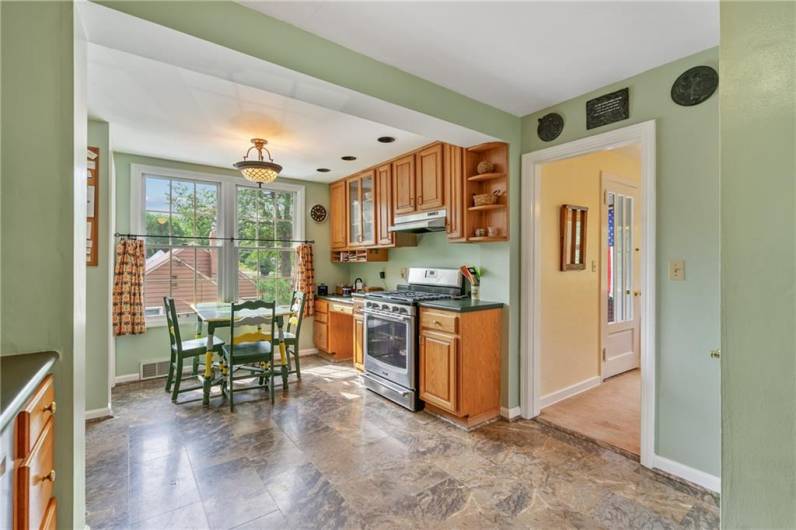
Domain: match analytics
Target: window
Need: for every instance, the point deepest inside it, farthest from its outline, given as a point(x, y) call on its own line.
point(265, 267)
point(192, 214)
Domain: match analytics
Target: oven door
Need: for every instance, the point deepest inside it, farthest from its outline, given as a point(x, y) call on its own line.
point(390, 347)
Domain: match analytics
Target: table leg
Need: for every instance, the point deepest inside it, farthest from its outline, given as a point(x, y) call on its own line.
point(282, 350)
point(208, 375)
point(198, 334)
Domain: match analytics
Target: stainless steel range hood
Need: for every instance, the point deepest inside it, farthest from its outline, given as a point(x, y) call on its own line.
point(418, 223)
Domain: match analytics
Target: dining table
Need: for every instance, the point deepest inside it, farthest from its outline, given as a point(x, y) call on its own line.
point(219, 315)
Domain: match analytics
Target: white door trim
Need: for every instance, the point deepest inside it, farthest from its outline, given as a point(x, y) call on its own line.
point(644, 134)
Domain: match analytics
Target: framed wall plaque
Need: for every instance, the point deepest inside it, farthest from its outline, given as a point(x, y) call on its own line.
point(573, 237)
point(550, 126)
point(607, 109)
point(92, 206)
point(695, 85)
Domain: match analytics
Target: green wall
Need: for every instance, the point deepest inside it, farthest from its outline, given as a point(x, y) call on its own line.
point(42, 248)
point(688, 394)
point(277, 42)
point(132, 349)
point(758, 195)
point(97, 288)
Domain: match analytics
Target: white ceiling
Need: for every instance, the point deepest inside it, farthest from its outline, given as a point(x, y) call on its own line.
point(517, 56)
point(160, 110)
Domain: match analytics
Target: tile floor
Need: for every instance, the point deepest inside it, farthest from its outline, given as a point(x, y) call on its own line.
point(330, 454)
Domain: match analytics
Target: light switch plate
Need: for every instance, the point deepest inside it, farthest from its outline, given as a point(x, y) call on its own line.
point(677, 270)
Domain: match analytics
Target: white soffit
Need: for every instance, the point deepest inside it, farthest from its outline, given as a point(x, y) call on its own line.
point(517, 56)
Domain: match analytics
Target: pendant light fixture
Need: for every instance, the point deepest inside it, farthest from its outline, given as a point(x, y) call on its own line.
point(261, 171)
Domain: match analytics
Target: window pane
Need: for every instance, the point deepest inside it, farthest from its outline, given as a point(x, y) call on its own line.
point(284, 205)
point(266, 288)
point(284, 291)
point(266, 210)
point(206, 210)
point(248, 203)
point(247, 232)
point(181, 225)
point(207, 287)
point(156, 194)
point(284, 230)
point(268, 262)
point(287, 259)
point(157, 223)
point(247, 274)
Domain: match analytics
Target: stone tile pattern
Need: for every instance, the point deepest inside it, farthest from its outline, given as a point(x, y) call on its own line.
point(330, 454)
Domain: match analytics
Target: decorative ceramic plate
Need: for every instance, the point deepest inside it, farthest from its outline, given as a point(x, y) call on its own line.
point(550, 126)
point(695, 85)
point(318, 213)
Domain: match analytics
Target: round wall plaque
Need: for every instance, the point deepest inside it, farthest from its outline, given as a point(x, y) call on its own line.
point(550, 126)
point(695, 85)
point(318, 213)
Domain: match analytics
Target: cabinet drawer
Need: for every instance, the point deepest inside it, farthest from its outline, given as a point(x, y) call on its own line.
point(342, 308)
point(34, 416)
point(34, 484)
point(439, 321)
point(321, 306)
point(319, 334)
point(321, 317)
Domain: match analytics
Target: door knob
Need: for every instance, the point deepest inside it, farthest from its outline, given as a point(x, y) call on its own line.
point(715, 354)
point(636, 293)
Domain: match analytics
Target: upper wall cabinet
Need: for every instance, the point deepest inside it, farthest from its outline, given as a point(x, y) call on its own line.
point(361, 200)
point(338, 215)
point(429, 180)
point(453, 171)
point(403, 185)
point(384, 206)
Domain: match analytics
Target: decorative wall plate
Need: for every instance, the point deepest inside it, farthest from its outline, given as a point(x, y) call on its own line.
point(695, 85)
point(550, 126)
point(318, 213)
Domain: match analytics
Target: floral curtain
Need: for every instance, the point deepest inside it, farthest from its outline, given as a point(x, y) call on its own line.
point(306, 278)
point(128, 288)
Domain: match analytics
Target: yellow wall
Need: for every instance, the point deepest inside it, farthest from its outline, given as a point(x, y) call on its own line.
point(570, 337)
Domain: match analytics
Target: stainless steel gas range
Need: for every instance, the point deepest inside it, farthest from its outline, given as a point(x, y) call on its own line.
point(391, 337)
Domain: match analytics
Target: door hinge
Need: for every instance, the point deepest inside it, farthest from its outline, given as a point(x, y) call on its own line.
point(603, 354)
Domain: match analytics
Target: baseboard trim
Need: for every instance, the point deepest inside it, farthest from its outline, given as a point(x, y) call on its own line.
point(510, 413)
point(98, 413)
point(700, 478)
point(308, 351)
point(568, 392)
point(127, 378)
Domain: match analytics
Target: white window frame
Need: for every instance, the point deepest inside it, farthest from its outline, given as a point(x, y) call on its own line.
point(227, 213)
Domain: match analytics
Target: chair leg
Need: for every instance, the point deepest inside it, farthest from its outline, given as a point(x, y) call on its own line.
point(271, 377)
point(196, 366)
point(177, 380)
point(231, 371)
point(297, 358)
point(170, 377)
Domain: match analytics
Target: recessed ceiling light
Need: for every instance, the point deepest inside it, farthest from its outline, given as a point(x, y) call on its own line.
point(386, 139)
point(323, 170)
point(348, 158)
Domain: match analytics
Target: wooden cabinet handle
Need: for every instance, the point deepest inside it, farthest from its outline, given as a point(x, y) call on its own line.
point(49, 476)
point(438, 323)
point(50, 408)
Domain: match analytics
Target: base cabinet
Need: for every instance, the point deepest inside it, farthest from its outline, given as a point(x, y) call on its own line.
point(359, 346)
point(460, 364)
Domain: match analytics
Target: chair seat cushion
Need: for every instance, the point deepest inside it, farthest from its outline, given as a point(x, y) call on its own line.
point(200, 344)
point(248, 352)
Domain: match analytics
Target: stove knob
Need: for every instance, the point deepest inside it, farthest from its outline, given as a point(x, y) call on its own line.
point(385, 307)
point(404, 310)
point(396, 309)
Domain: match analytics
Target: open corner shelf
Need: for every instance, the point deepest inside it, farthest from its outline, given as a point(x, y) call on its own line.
point(486, 239)
point(486, 176)
point(486, 207)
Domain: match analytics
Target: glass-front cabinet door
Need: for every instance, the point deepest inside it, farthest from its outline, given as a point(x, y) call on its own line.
point(361, 195)
point(354, 212)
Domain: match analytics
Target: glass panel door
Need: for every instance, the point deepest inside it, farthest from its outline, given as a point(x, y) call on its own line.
point(368, 209)
point(354, 212)
point(619, 268)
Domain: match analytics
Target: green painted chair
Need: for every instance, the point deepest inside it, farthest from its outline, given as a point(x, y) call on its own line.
point(251, 353)
point(181, 350)
point(292, 334)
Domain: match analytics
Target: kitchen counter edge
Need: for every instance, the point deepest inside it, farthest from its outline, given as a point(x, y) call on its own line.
point(461, 306)
point(21, 374)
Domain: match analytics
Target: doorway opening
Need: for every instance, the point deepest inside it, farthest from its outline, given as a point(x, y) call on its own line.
point(588, 346)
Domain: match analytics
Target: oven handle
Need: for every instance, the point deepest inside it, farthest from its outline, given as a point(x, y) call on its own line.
point(388, 316)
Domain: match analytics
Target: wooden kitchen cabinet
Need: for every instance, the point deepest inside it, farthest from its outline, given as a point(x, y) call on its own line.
point(384, 238)
point(338, 215)
point(333, 332)
point(453, 171)
point(359, 342)
point(429, 183)
point(361, 206)
point(403, 185)
point(460, 364)
point(320, 335)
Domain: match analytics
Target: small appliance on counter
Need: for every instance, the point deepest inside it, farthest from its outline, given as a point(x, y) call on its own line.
point(359, 285)
point(323, 289)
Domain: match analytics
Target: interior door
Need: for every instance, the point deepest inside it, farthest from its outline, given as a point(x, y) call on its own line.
point(619, 276)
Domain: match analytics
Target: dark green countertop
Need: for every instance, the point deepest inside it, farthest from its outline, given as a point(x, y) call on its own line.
point(19, 377)
point(462, 306)
point(336, 298)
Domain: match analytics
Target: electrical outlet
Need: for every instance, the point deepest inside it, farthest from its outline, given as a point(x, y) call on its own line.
point(403, 272)
point(677, 270)
point(382, 274)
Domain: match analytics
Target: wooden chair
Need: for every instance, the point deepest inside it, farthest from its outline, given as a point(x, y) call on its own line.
point(251, 352)
point(182, 349)
point(291, 335)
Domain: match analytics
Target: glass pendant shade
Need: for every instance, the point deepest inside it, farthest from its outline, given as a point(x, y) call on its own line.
point(261, 171)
